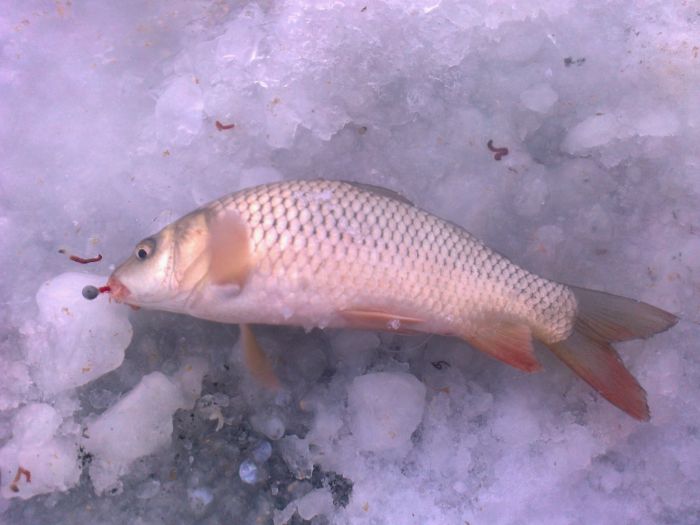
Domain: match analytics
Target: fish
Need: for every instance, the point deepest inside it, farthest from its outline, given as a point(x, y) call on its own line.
point(339, 254)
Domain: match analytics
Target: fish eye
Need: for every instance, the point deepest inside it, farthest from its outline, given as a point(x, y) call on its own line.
point(144, 249)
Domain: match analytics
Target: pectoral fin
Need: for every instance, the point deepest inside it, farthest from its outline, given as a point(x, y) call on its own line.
point(230, 251)
point(380, 320)
point(256, 361)
point(508, 341)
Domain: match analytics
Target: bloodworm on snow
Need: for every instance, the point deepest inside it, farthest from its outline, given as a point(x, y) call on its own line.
point(499, 152)
point(82, 260)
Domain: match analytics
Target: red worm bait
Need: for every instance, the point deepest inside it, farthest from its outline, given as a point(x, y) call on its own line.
point(83, 260)
point(21, 471)
point(222, 127)
point(499, 153)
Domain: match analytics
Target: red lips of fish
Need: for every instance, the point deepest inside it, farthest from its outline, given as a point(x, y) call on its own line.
point(118, 291)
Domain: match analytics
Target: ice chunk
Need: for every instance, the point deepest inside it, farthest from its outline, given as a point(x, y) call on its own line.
point(385, 408)
point(240, 43)
point(532, 197)
point(180, 111)
point(521, 43)
point(116, 441)
point(36, 460)
point(189, 379)
point(36, 423)
point(516, 416)
point(658, 123)
point(148, 489)
point(15, 384)
point(311, 504)
point(281, 123)
point(75, 341)
point(295, 452)
point(316, 502)
point(248, 472)
point(592, 132)
point(268, 423)
point(282, 517)
point(539, 98)
point(199, 499)
point(546, 240)
point(262, 452)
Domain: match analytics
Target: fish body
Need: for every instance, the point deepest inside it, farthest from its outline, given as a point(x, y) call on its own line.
point(326, 253)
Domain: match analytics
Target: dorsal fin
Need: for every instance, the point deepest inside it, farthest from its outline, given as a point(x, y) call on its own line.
point(379, 190)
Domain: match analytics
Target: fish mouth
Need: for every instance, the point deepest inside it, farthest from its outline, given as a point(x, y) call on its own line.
point(117, 289)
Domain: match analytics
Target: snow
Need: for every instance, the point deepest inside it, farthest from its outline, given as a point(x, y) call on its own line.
point(73, 341)
point(113, 439)
point(108, 132)
point(179, 112)
point(539, 98)
point(49, 459)
point(385, 408)
point(592, 132)
point(269, 424)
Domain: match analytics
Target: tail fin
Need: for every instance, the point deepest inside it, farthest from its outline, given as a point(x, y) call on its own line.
point(602, 319)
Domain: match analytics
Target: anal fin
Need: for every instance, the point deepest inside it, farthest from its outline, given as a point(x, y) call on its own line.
point(508, 341)
point(599, 365)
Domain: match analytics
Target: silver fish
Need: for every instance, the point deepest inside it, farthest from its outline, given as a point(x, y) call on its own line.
point(339, 254)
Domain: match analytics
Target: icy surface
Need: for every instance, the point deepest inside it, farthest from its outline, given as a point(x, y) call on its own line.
point(48, 462)
point(74, 341)
point(114, 439)
point(385, 409)
point(118, 117)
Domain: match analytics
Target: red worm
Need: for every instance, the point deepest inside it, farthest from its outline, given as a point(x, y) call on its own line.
point(222, 127)
point(21, 471)
point(499, 152)
point(83, 260)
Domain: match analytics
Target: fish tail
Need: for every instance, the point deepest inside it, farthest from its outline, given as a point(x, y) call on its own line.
point(601, 320)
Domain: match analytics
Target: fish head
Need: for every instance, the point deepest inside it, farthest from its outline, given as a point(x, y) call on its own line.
point(163, 269)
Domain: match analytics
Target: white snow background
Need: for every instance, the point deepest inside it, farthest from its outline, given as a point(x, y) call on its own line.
point(108, 131)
